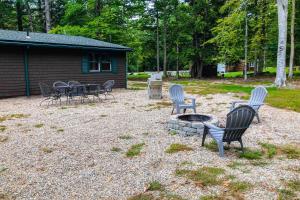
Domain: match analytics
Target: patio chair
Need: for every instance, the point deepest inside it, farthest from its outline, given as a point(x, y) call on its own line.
point(178, 98)
point(238, 120)
point(256, 100)
point(107, 86)
point(70, 83)
point(48, 93)
point(78, 91)
point(94, 90)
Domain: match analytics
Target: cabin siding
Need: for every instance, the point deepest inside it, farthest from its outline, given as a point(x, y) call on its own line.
point(12, 76)
point(50, 65)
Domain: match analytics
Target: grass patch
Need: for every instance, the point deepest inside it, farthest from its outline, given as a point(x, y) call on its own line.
point(2, 128)
point(12, 116)
point(172, 132)
point(60, 130)
point(285, 194)
point(3, 138)
point(235, 165)
point(47, 150)
point(38, 125)
point(294, 185)
point(251, 154)
point(204, 176)
point(155, 186)
point(103, 115)
point(135, 150)
point(239, 186)
point(138, 76)
point(125, 137)
point(116, 149)
point(2, 169)
point(174, 148)
point(142, 197)
point(186, 163)
point(291, 151)
point(269, 149)
point(212, 145)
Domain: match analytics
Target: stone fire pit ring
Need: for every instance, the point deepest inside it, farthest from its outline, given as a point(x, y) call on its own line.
point(190, 124)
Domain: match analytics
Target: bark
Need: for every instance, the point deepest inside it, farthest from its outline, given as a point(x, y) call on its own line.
point(157, 41)
point(177, 60)
point(29, 16)
point(246, 49)
point(41, 16)
point(47, 15)
point(98, 7)
point(165, 49)
point(292, 53)
point(282, 6)
point(19, 12)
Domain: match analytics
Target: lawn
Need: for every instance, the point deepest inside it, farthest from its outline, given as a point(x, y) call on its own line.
point(280, 98)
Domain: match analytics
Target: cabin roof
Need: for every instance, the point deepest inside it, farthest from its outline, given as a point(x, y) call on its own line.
point(56, 40)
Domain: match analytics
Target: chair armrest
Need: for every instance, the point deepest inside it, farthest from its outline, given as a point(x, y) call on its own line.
point(235, 102)
point(213, 127)
point(189, 97)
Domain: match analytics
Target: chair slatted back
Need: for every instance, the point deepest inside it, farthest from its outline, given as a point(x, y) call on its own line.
point(238, 120)
point(61, 87)
point(177, 93)
point(46, 90)
point(77, 90)
point(258, 96)
point(70, 83)
point(108, 85)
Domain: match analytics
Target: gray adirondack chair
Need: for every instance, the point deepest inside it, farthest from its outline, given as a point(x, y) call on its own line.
point(256, 100)
point(238, 120)
point(178, 98)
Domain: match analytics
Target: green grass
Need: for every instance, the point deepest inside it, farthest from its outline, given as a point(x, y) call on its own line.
point(2, 128)
point(285, 194)
point(174, 148)
point(116, 149)
point(60, 130)
point(47, 150)
point(12, 116)
point(251, 154)
point(212, 145)
point(239, 186)
point(135, 150)
point(138, 76)
point(142, 197)
point(155, 186)
point(38, 125)
point(269, 149)
point(125, 137)
point(235, 165)
point(291, 151)
point(3, 138)
point(279, 98)
point(205, 176)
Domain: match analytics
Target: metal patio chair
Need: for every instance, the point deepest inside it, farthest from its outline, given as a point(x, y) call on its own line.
point(178, 98)
point(70, 83)
point(94, 90)
point(238, 120)
point(48, 93)
point(78, 91)
point(107, 87)
point(256, 100)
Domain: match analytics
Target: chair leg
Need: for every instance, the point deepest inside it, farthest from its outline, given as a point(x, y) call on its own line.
point(172, 111)
point(221, 148)
point(184, 110)
point(242, 146)
point(194, 110)
point(257, 116)
point(204, 135)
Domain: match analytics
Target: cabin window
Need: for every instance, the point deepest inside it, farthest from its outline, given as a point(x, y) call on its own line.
point(97, 62)
point(105, 64)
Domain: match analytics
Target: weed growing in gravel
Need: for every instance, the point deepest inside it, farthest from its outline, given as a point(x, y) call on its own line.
point(285, 194)
point(172, 133)
point(291, 187)
point(135, 150)
point(185, 163)
point(116, 149)
point(259, 163)
point(155, 186)
point(3, 138)
point(142, 197)
point(235, 165)
point(204, 176)
point(12, 116)
point(239, 186)
point(212, 145)
point(103, 115)
point(60, 130)
point(47, 150)
point(251, 154)
point(19, 124)
point(294, 185)
point(209, 197)
point(2, 168)
point(269, 149)
point(170, 196)
point(174, 148)
point(291, 151)
point(38, 125)
point(2, 128)
point(125, 137)
point(145, 134)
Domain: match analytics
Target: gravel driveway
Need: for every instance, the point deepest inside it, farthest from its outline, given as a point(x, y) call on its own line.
point(65, 152)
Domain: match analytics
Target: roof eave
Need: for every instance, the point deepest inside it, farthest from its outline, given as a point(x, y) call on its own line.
point(52, 45)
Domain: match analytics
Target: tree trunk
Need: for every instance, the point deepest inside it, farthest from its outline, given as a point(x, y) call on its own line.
point(29, 16)
point(282, 6)
point(47, 15)
point(19, 12)
point(157, 41)
point(165, 49)
point(177, 60)
point(292, 53)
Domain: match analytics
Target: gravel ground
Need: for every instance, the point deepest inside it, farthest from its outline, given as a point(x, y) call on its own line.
point(64, 152)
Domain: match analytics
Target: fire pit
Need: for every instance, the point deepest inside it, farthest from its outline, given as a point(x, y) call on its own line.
point(189, 124)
